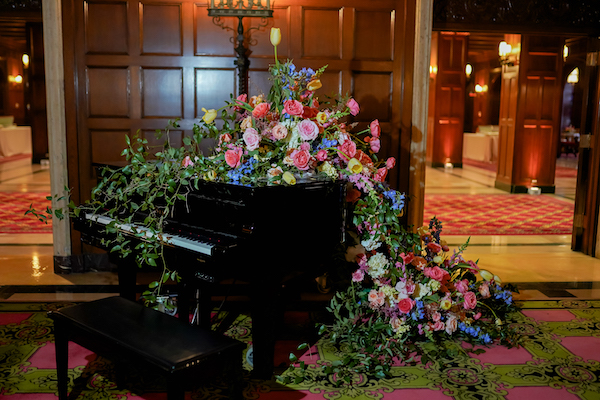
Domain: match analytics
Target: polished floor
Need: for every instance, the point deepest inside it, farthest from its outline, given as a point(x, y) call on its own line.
point(543, 267)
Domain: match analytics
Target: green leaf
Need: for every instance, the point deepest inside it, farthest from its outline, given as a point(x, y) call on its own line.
point(293, 357)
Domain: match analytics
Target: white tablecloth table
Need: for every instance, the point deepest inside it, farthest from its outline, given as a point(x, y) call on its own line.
point(480, 147)
point(15, 140)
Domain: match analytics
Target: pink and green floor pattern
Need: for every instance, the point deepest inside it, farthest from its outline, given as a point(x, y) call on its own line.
point(560, 360)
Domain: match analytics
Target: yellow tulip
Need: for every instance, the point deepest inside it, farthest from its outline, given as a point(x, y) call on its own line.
point(211, 175)
point(289, 178)
point(355, 166)
point(209, 115)
point(314, 85)
point(487, 275)
point(445, 304)
point(275, 36)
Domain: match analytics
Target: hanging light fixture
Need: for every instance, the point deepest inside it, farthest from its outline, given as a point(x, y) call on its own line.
point(468, 70)
point(565, 52)
point(25, 60)
point(504, 50)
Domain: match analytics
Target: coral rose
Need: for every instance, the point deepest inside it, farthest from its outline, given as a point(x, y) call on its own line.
point(405, 305)
point(301, 159)
point(261, 110)
point(380, 175)
point(390, 163)
point(322, 155)
point(233, 157)
point(347, 149)
point(293, 107)
point(375, 145)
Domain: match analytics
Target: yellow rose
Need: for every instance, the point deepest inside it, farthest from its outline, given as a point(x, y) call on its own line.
point(445, 304)
point(321, 117)
point(209, 115)
point(355, 166)
point(289, 178)
point(275, 36)
point(314, 85)
point(487, 275)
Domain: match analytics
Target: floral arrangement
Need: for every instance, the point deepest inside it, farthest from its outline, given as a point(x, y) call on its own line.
point(409, 295)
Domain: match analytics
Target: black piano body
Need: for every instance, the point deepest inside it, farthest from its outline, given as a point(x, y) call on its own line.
point(256, 234)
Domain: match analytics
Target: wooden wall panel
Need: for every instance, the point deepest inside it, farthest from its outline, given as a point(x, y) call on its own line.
point(104, 153)
point(156, 141)
point(372, 91)
point(104, 83)
point(321, 33)
point(370, 27)
point(161, 30)
point(103, 38)
point(162, 93)
point(213, 87)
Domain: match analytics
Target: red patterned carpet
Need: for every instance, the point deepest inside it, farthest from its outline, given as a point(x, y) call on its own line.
point(12, 212)
point(500, 214)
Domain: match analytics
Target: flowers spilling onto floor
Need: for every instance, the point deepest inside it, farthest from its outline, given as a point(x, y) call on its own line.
point(409, 296)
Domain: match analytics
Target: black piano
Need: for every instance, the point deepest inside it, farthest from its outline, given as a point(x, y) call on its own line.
point(259, 235)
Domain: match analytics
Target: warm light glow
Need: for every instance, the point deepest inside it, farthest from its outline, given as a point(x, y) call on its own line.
point(25, 60)
point(573, 77)
point(485, 88)
point(504, 49)
point(479, 88)
point(468, 70)
point(15, 79)
point(565, 52)
point(36, 268)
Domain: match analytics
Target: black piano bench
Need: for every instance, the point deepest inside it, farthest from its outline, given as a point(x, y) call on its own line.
point(120, 329)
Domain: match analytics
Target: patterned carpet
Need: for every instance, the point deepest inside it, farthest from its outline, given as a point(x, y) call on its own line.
point(12, 212)
point(500, 214)
point(560, 360)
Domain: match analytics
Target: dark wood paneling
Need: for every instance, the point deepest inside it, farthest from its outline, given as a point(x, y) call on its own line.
point(161, 29)
point(321, 33)
point(213, 87)
point(104, 153)
point(373, 92)
point(102, 37)
point(104, 83)
point(162, 93)
point(371, 26)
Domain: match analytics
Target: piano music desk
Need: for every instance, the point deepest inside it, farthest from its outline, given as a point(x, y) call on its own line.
point(120, 329)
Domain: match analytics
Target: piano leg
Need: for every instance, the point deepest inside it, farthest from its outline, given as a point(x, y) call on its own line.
point(200, 292)
point(267, 314)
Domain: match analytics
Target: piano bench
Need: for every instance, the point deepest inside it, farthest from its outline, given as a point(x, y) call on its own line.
point(120, 329)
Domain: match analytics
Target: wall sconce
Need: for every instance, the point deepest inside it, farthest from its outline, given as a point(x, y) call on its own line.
point(433, 71)
point(468, 70)
point(565, 52)
point(504, 51)
point(25, 59)
point(241, 9)
point(478, 88)
point(573, 77)
point(15, 79)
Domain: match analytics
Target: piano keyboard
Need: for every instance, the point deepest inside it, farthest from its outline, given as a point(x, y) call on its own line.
point(199, 246)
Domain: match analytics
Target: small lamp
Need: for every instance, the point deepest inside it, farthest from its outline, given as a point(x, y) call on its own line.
point(25, 59)
point(468, 70)
point(448, 166)
point(504, 50)
point(573, 77)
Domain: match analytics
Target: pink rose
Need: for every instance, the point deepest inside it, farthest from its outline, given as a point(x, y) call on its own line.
point(477, 316)
point(405, 305)
point(375, 128)
point(261, 110)
point(187, 162)
point(435, 273)
point(242, 98)
point(390, 163)
point(470, 301)
point(380, 175)
point(308, 130)
point(301, 159)
point(279, 132)
point(462, 286)
point(353, 106)
point(322, 155)
point(251, 138)
point(474, 267)
point(358, 275)
point(347, 149)
point(233, 157)
point(375, 145)
point(293, 107)
point(439, 326)
point(484, 290)
point(224, 138)
point(451, 324)
point(436, 248)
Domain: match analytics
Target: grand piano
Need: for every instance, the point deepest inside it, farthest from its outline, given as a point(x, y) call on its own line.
point(259, 235)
